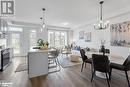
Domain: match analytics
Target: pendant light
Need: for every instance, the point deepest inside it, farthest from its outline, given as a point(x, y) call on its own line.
point(101, 25)
point(43, 19)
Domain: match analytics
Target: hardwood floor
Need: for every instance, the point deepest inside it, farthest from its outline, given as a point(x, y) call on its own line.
point(67, 77)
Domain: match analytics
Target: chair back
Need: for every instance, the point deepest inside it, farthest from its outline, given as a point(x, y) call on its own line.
point(82, 52)
point(127, 62)
point(100, 63)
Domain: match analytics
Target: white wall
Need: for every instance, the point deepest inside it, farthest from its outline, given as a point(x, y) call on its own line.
point(98, 35)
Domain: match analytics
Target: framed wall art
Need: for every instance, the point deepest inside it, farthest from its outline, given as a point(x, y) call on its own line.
point(120, 34)
point(81, 35)
point(88, 37)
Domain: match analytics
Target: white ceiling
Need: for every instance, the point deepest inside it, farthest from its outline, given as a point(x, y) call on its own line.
point(74, 12)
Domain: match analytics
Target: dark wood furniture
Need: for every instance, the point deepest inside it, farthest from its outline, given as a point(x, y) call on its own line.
point(100, 63)
point(124, 67)
point(85, 59)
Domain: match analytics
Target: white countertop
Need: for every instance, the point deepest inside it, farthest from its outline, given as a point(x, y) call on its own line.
point(5, 48)
point(38, 50)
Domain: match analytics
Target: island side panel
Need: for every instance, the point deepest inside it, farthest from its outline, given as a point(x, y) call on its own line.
point(37, 64)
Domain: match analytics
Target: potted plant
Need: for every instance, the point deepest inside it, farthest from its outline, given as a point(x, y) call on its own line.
point(42, 44)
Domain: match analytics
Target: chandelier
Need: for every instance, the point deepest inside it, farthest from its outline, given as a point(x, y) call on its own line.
point(101, 24)
point(43, 19)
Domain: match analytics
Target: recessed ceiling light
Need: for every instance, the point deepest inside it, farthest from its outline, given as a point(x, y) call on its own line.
point(65, 23)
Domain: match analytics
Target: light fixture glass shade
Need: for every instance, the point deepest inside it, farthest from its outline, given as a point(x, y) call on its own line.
point(43, 27)
point(101, 25)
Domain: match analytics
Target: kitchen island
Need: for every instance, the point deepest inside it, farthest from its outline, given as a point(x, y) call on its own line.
point(37, 63)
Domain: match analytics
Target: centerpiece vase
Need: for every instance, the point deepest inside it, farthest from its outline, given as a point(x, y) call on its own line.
point(103, 49)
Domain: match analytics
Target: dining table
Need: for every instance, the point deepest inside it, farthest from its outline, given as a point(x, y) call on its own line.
point(112, 58)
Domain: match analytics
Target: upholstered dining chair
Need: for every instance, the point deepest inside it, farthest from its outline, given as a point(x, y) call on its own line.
point(123, 67)
point(100, 63)
point(85, 59)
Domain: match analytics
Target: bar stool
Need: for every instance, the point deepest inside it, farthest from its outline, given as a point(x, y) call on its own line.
point(53, 60)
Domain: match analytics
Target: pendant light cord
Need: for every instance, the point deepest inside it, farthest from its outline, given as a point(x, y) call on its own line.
point(101, 10)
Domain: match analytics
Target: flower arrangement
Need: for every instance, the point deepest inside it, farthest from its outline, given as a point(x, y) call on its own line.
point(42, 44)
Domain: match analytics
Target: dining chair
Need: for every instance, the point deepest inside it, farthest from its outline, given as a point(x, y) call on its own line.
point(123, 67)
point(85, 59)
point(100, 63)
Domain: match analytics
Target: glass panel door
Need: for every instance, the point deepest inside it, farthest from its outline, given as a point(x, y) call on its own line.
point(15, 43)
point(32, 39)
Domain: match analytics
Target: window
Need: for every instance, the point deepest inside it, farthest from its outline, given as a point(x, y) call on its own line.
point(57, 38)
